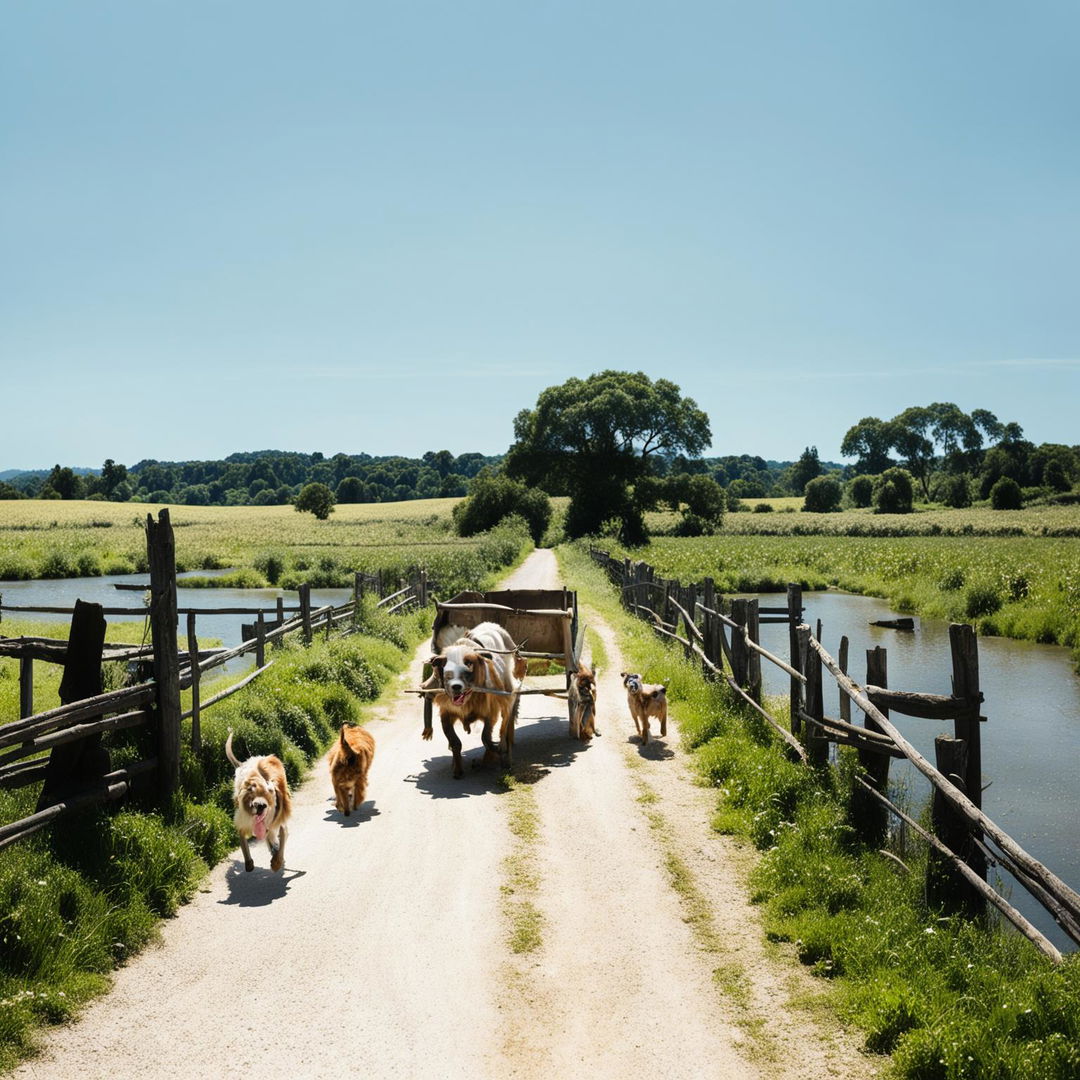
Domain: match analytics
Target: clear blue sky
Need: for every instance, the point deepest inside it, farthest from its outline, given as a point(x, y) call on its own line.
point(386, 227)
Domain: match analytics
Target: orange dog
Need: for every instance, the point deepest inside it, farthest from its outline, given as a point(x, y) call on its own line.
point(261, 797)
point(350, 759)
point(582, 696)
point(645, 700)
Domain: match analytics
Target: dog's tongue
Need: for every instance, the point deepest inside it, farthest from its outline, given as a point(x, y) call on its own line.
point(460, 698)
point(259, 827)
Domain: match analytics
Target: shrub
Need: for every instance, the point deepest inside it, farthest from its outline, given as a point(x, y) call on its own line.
point(493, 498)
point(952, 489)
point(860, 490)
point(1005, 495)
point(893, 492)
point(981, 599)
point(763, 508)
point(822, 495)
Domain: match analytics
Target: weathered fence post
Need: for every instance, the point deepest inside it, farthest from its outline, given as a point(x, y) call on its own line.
point(845, 701)
point(816, 741)
point(280, 641)
point(260, 640)
point(795, 691)
point(872, 816)
point(965, 685)
point(710, 646)
point(739, 668)
point(26, 687)
point(196, 674)
point(945, 885)
point(161, 550)
point(78, 763)
point(753, 659)
point(423, 587)
point(305, 611)
point(358, 588)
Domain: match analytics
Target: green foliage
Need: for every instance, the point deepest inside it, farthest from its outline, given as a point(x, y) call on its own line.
point(1006, 495)
point(807, 468)
point(317, 499)
point(594, 438)
point(860, 490)
point(893, 492)
point(492, 498)
point(823, 495)
point(952, 489)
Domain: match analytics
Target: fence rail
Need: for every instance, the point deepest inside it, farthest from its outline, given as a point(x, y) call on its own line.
point(966, 839)
point(77, 773)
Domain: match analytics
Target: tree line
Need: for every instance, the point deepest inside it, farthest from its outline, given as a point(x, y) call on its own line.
point(261, 478)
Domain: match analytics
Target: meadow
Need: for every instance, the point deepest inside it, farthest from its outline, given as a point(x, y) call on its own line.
point(1020, 581)
point(267, 545)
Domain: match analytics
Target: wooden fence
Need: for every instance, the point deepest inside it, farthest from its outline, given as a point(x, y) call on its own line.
point(723, 636)
point(77, 772)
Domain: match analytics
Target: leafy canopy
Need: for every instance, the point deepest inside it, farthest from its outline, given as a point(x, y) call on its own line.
point(594, 438)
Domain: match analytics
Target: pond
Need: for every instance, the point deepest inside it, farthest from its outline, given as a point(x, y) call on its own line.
point(1030, 741)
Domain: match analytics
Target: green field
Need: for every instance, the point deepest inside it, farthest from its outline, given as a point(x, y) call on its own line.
point(275, 545)
point(951, 564)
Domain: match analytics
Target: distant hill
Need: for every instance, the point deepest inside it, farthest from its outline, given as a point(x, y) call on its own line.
point(30, 474)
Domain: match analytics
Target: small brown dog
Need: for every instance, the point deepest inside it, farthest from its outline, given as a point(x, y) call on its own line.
point(350, 759)
point(582, 697)
point(261, 797)
point(645, 700)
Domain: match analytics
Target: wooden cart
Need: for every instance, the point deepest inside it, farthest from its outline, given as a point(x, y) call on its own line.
point(544, 622)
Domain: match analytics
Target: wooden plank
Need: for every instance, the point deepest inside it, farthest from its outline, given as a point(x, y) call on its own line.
point(196, 679)
point(26, 687)
point(922, 706)
point(230, 690)
point(114, 701)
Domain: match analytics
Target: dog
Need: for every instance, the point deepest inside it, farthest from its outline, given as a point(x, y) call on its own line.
point(350, 759)
point(263, 804)
point(582, 698)
point(468, 663)
point(645, 700)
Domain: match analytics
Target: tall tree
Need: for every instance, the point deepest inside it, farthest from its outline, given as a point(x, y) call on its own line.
point(805, 469)
point(594, 438)
point(870, 440)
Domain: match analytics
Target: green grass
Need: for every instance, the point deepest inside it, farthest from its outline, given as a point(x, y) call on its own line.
point(267, 545)
point(948, 999)
point(1026, 588)
point(83, 896)
point(524, 920)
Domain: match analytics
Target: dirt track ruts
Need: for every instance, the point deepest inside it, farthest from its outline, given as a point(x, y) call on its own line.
point(383, 947)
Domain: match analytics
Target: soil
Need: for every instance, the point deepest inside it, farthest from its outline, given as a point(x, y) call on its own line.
point(385, 945)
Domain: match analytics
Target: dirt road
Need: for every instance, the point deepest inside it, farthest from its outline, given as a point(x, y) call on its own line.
point(385, 946)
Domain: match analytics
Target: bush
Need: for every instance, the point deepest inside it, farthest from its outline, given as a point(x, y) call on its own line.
point(317, 498)
point(763, 508)
point(822, 495)
point(1006, 495)
point(952, 489)
point(493, 498)
point(860, 490)
point(893, 492)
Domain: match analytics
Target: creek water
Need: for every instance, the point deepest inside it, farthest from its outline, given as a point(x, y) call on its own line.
point(1030, 741)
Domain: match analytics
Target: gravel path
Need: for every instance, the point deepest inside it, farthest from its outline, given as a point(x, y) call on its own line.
point(383, 948)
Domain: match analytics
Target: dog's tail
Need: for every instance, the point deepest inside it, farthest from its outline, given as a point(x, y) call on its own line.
point(228, 750)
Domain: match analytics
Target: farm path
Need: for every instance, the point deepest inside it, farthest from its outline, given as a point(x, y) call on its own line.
point(384, 945)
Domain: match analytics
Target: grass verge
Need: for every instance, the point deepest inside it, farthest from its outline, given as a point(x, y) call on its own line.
point(524, 919)
point(946, 998)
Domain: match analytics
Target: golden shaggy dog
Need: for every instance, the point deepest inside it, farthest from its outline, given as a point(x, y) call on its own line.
point(582, 695)
point(645, 700)
point(350, 759)
point(263, 805)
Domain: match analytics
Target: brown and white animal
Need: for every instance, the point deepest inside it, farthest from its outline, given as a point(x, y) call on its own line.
point(263, 805)
point(645, 700)
point(465, 665)
point(582, 697)
point(350, 759)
